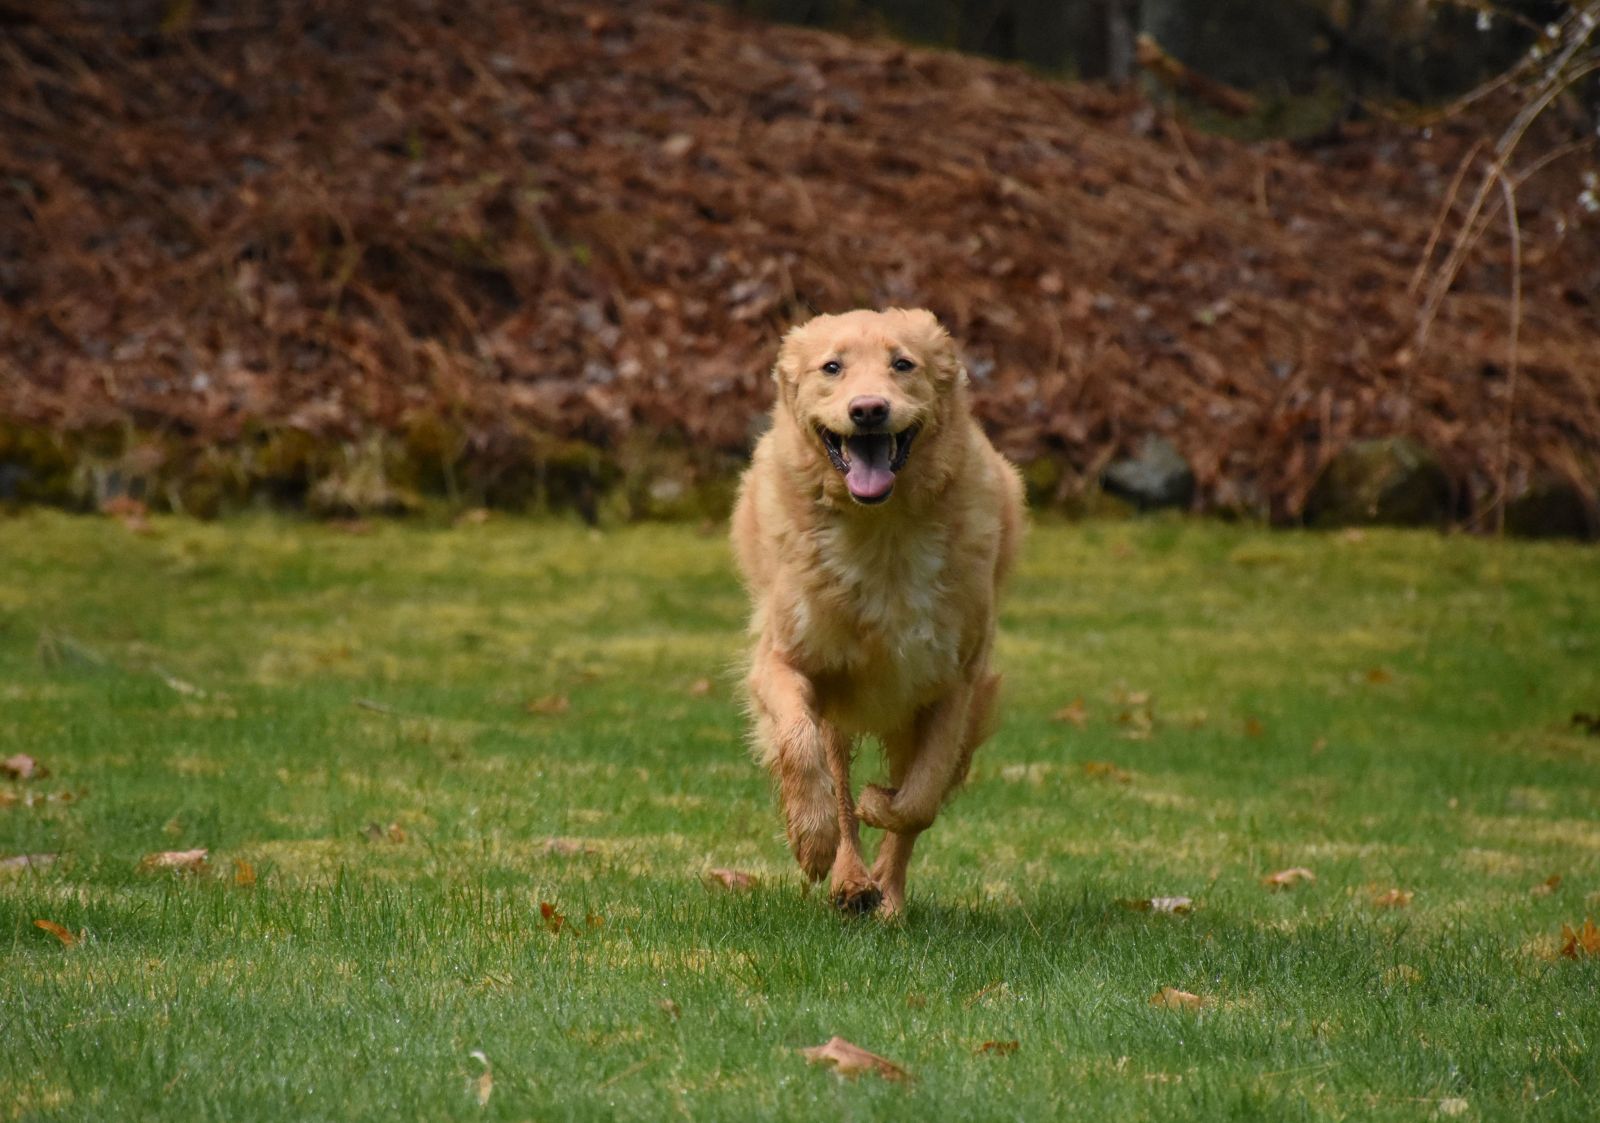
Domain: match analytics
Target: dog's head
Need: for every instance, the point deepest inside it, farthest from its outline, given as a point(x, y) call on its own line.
point(864, 387)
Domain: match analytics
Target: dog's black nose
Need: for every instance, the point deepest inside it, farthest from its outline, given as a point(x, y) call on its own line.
point(868, 410)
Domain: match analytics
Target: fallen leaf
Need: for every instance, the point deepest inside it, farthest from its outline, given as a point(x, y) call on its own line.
point(1401, 973)
point(551, 705)
point(851, 1060)
point(1584, 941)
point(594, 920)
point(67, 938)
point(1283, 879)
point(1318, 746)
point(1377, 676)
point(553, 920)
point(1452, 1106)
point(1171, 998)
point(1548, 886)
point(21, 766)
point(483, 1086)
point(1073, 712)
point(475, 516)
point(180, 861)
point(128, 511)
point(119, 506)
point(1393, 899)
point(567, 847)
point(700, 687)
point(1104, 769)
point(178, 685)
point(1177, 905)
point(737, 881)
point(996, 987)
point(915, 1001)
point(27, 862)
point(244, 874)
point(670, 1008)
point(1253, 727)
point(998, 1048)
point(377, 832)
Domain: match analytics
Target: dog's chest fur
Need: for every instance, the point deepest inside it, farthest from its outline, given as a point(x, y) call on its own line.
point(876, 623)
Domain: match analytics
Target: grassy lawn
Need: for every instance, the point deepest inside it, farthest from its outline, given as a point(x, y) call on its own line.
point(413, 737)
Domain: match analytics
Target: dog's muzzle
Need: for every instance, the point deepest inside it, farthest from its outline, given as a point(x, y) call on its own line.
point(868, 461)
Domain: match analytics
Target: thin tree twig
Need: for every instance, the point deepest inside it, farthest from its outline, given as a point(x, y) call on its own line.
point(1513, 364)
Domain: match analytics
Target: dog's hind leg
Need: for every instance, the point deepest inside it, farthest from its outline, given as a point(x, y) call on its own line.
point(934, 764)
point(982, 717)
point(793, 746)
point(850, 886)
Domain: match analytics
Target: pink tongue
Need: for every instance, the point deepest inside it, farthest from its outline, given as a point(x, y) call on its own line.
point(870, 476)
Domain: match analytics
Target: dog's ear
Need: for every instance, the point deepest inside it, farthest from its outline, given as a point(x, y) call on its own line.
point(946, 362)
point(786, 371)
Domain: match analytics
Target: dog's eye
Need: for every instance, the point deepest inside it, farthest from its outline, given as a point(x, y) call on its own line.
point(903, 365)
point(831, 367)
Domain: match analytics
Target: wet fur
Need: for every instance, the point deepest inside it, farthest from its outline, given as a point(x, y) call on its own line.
point(872, 621)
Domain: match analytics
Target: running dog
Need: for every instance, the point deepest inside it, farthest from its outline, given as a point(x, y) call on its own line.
point(874, 528)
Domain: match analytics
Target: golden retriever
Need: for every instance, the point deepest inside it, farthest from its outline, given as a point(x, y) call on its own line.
point(873, 529)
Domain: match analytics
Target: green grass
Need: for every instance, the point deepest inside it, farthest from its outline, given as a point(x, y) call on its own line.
point(1390, 710)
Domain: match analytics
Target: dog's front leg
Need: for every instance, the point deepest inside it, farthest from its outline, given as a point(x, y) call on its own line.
point(850, 886)
point(794, 747)
point(930, 774)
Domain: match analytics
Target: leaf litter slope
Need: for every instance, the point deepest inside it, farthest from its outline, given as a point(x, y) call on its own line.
point(586, 220)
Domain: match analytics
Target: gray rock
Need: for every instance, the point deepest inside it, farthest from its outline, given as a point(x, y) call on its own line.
point(1158, 476)
point(1392, 481)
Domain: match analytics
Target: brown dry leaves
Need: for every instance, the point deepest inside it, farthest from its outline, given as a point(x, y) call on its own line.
point(481, 1087)
point(21, 766)
point(1105, 770)
point(1393, 899)
point(554, 922)
point(27, 862)
point(852, 1060)
point(130, 512)
point(735, 881)
point(551, 705)
point(66, 937)
point(1172, 905)
point(1547, 887)
point(1073, 713)
point(1171, 998)
point(1287, 879)
point(377, 832)
point(568, 847)
point(177, 861)
point(1577, 943)
point(997, 1048)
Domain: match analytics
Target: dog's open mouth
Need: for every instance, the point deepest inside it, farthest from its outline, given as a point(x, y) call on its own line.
point(868, 461)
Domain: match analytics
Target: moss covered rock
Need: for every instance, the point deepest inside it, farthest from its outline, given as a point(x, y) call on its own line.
point(1393, 481)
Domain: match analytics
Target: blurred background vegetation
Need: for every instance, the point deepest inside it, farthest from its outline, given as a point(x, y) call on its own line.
point(1420, 50)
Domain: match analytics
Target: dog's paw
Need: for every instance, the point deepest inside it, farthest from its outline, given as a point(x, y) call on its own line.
point(876, 807)
point(855, 898)
point(892, 907)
